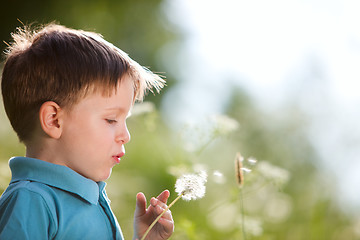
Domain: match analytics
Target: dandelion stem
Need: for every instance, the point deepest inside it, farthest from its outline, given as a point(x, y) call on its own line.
point(242, 214)
point(157, 219)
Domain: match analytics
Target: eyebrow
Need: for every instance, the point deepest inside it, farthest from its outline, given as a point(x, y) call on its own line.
point(119, 109)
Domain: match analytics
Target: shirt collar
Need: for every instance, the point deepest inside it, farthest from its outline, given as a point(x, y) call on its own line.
point(62, 177)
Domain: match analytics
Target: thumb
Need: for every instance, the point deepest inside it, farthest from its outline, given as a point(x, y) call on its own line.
point(140, 205)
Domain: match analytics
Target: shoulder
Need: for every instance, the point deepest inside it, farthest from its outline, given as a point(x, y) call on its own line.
point(26, 204)
point(28, 191)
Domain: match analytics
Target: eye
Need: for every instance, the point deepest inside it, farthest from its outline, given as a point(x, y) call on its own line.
point(111, 121)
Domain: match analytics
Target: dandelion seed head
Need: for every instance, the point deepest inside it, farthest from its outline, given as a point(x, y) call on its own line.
point(203, 175)
point(192, 186)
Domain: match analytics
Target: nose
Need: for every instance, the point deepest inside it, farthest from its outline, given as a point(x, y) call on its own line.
point(123, 135)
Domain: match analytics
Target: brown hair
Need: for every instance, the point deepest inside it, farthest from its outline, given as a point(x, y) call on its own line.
point(60, 64)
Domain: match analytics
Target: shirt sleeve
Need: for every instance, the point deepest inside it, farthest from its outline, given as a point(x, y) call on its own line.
point(24, 215)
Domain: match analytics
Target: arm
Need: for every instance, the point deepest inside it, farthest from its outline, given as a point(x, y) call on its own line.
point(24, 215)
point(144, 217)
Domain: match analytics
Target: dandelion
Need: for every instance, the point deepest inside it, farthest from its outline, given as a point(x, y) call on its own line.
point(188, 186)
point(191, 186)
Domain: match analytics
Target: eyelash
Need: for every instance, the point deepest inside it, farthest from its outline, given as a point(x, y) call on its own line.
point(111, 121)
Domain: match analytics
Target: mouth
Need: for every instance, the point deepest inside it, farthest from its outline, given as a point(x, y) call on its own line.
point(118, 157)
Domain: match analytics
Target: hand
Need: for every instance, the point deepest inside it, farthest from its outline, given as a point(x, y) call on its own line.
point(144, 217)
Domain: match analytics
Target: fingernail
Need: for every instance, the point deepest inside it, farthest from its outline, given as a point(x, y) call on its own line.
point(153, 201)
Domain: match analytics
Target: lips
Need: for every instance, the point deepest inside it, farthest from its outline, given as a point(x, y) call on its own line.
point(118, 157)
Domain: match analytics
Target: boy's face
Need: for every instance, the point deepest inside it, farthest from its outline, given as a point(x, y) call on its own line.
point(95, 131)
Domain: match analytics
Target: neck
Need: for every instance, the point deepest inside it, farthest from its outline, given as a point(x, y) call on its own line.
point(41, 148)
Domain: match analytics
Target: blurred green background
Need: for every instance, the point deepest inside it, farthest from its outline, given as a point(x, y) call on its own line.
point(288, 194)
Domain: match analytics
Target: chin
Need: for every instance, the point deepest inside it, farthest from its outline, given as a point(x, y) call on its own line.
point(104, 177)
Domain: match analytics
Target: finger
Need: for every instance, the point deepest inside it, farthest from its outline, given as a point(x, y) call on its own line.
point(168, 225)
point(159, 208)
point(156, 202)
point(163, 197)
point(167, 214)
point(140, 204)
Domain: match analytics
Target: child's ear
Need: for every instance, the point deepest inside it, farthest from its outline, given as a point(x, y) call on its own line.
point(50, 116)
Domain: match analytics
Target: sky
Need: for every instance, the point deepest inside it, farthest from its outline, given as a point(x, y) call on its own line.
point(275, 49)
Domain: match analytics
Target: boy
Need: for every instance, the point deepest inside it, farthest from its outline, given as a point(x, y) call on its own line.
point(67, 94)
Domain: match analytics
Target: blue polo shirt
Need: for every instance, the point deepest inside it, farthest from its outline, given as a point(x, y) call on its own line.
point(49, 201)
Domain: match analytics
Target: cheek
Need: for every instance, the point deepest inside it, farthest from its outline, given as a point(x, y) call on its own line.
point(80, 136)
point(90, 136)
point(99, 138)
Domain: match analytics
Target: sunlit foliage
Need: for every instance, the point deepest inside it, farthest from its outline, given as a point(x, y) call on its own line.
point(286, 195)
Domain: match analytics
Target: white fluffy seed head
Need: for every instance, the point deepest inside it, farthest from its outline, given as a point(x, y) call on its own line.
point(191, 186)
